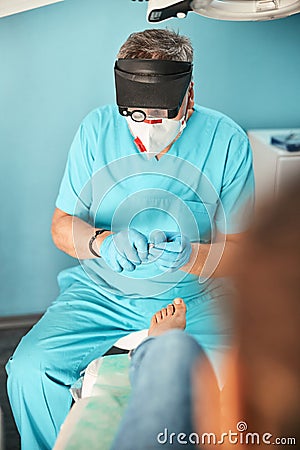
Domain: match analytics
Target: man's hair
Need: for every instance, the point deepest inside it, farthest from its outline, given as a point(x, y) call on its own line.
point(157, 44)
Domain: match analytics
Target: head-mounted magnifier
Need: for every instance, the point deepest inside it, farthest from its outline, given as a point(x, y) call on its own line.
point(158, 86)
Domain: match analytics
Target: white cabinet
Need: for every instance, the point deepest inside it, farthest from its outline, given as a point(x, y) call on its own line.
point(274, 168)
point(9, 7)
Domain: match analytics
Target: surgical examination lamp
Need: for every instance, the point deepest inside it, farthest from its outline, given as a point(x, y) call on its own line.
point(257, 10)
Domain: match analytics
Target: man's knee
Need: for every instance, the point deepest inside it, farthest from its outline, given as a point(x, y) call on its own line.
point(26, 359)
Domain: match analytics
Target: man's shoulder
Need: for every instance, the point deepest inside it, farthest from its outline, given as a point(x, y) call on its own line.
point(99, 115)
point(219, 120)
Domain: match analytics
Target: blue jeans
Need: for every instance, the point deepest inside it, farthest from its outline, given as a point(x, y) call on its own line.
point(160, 405)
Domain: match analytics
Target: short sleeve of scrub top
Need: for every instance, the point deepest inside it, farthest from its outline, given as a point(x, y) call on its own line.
point(74, 189)
point(237, 191)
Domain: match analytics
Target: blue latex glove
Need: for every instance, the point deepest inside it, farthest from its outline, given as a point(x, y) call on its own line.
point(124, 250)
point(170, 250)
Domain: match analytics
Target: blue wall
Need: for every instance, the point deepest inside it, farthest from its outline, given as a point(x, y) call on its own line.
point(56, 65)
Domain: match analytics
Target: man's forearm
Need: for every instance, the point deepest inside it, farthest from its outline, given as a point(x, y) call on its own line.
point(212, 259)
point(72, 235)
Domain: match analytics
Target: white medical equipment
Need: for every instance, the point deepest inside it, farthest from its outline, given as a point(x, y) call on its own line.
point(159, 10)
point(274, 168)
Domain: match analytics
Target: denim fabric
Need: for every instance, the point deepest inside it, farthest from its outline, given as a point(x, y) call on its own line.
point(160, 403)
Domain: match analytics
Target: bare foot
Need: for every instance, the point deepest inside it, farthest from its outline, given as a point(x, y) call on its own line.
point(171, 317)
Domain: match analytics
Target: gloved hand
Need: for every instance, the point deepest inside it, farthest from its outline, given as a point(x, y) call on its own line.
point(124, 250)
point(169, 250)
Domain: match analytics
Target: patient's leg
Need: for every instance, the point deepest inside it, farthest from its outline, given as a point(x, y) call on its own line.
point(161, 397)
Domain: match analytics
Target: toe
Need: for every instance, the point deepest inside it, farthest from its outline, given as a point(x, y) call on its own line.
point(179, 305)
point(164, 313)
point(158, 317)
point(170, 309)
point(153, 321)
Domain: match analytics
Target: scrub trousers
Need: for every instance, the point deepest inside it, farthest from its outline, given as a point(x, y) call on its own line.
point(79, 326)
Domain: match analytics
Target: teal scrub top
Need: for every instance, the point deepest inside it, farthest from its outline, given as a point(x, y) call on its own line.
point(202, 185)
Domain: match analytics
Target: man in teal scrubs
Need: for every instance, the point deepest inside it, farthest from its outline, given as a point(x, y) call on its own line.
point(155, 198)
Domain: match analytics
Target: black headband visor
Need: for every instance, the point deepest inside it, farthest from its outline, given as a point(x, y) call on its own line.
point(151, 84)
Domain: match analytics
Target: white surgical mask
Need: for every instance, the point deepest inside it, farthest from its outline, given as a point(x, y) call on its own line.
point(154, 135)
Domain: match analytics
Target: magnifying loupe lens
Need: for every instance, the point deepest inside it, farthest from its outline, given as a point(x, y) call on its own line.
point(138, 116)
